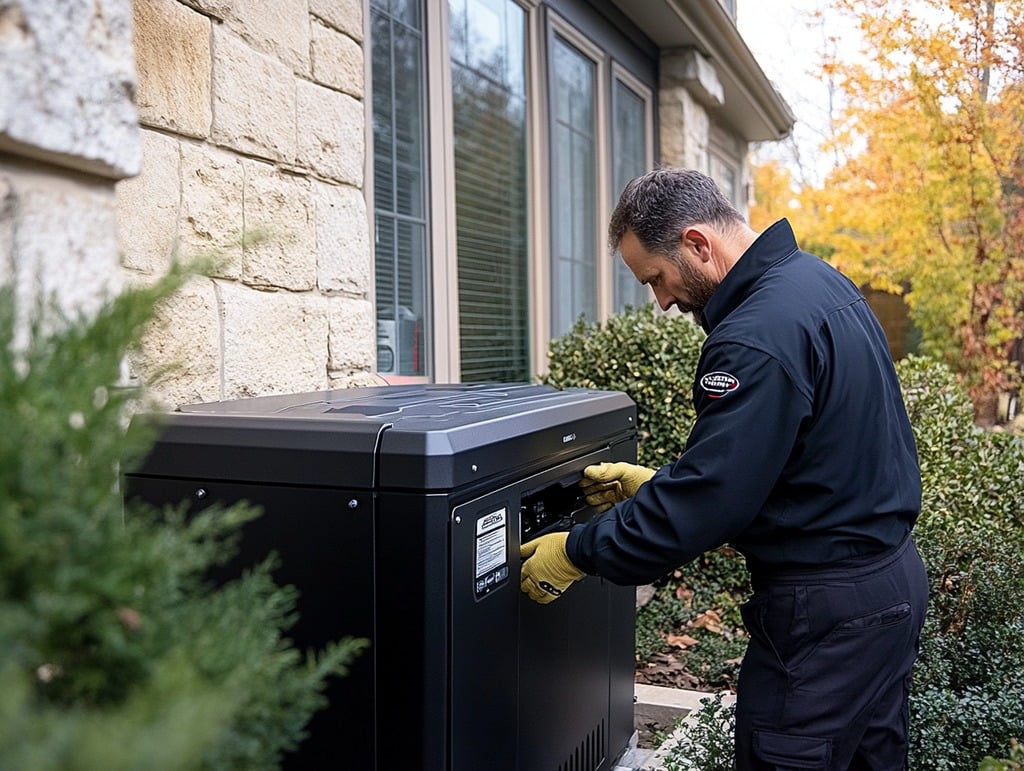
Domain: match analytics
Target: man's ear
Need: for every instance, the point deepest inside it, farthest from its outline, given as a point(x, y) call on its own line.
point(696, 237)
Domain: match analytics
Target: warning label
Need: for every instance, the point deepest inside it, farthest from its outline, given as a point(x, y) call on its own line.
point(491, 542)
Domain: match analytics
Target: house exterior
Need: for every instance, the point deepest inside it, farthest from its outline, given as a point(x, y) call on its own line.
point(399, 190)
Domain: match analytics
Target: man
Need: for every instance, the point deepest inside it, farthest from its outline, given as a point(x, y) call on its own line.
point(801, 457)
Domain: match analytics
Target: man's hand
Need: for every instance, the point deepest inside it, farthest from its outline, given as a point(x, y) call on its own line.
point(547, 570)
point(605, 484)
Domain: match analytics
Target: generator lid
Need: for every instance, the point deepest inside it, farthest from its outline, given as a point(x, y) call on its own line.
point(401, 437)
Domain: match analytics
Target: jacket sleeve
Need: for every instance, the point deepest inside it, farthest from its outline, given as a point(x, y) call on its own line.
point(749, 413)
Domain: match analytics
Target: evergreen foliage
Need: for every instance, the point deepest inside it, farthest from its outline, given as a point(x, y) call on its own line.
point(650, 356)
point(115, 652)
point(967, 700)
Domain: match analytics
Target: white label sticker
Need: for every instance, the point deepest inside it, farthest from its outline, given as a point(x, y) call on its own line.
point(490, 542)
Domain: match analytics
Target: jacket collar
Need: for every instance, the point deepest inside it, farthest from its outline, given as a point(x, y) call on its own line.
point(773, 245)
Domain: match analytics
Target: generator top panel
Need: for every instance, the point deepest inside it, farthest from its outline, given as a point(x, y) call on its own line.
point(415, 437)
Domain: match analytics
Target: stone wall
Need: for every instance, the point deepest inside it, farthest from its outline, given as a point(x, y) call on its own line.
point(136, 133)
point(68, 132)
point(253, 127)
point(688, 93)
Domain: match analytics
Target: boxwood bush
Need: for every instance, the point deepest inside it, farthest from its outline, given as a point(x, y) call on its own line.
point(968, 696)
point(967, 702)
point(650, 356)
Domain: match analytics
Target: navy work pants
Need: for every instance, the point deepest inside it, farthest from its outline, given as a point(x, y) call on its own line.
point(825, 678)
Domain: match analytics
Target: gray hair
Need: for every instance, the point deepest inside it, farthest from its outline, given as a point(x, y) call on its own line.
point(659, 205)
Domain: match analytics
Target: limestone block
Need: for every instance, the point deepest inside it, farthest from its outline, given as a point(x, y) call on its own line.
point(280, 241)
point(684, 128)
point(344, 15)
point(253, 100)
point(218, 9)
point(147, 207)
point(179, 359)
point(275, 27)
point(274, 342)
point(671, 140)
point(342, 239)
point(212, 186)
point(689, 68)
point(337, 60)
point(331, 133)
point(64, 245)
point(353, 342)
point(174, 61)
point(68, 84)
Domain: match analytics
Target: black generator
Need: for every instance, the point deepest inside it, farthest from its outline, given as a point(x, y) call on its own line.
point(397, 513)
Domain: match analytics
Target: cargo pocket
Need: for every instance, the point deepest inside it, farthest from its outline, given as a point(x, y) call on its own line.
point(786, 752)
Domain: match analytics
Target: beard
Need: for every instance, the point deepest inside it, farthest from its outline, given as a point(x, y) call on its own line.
point(699, 287)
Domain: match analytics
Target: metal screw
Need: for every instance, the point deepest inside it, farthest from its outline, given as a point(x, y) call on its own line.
point(458, 520)
point(201, 493)
point(473, 468)
point(353, 504)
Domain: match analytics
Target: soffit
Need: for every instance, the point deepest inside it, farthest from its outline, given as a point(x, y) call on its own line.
point(751, 107)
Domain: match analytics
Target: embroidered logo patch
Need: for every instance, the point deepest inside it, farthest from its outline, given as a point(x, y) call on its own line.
point(718, 384)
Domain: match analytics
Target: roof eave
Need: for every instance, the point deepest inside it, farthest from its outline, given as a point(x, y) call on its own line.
point(751, 106)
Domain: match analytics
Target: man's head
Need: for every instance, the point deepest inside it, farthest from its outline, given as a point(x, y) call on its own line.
point(677, 233)
point(662, 203)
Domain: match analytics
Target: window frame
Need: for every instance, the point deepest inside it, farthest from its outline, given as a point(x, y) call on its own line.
point(429, 335)
point(543, 20)
point(558, 27)
point(620, 74)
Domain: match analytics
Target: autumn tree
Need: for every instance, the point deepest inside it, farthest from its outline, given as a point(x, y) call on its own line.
point(778, 195)
point(929, 201)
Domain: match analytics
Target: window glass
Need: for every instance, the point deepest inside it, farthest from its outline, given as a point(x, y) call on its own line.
point(629, 160)
point(725, 175)
point(489, 108)
point(400, 188)
point(573, 192)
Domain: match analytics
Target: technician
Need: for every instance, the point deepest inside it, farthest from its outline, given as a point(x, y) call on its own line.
point(801, 457)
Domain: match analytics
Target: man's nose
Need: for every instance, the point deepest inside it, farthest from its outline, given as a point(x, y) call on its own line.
point(664, 299)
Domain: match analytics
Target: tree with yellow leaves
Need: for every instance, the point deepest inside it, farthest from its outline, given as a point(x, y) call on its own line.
point(929, 202)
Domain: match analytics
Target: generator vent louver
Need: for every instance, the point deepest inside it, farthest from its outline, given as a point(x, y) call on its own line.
point(589, 754)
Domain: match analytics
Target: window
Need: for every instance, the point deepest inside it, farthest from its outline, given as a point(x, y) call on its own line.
point(400, 188)
point(631, 157)
point(488, 71)
point(726, 175)
point(500, 129)
point(573, 187)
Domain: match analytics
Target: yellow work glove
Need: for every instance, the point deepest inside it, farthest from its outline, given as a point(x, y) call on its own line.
point(547, 570)
point(605, 484)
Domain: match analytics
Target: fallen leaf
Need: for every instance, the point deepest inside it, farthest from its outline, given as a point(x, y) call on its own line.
point(680, 640)
point(709, 620)
point(685, 595)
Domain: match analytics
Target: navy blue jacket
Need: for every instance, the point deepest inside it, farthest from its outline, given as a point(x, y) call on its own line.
point(802, 453)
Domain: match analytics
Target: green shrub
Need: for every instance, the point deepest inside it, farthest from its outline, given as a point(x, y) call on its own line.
point(706, 742)
point(651, 357)
point(967, 700)
point(115, 653)
point(967, 472)
point(1015, 762)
